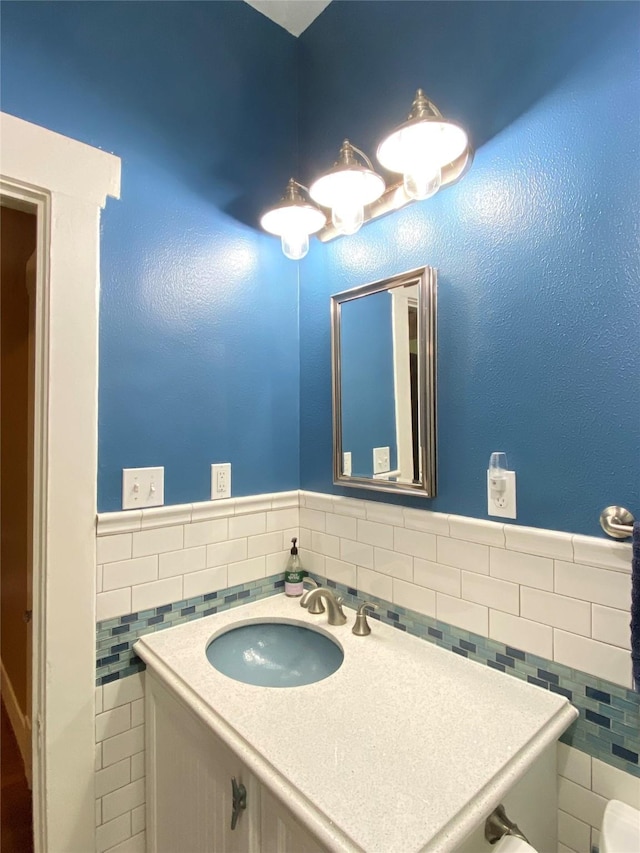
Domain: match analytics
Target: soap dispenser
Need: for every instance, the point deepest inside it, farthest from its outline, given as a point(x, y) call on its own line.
point(294, 573)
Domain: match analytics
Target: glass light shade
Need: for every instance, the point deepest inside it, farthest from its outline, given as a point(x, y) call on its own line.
point(422, 181)
point(351, 187)
point(437, 142)
point(292, 218)
point(347, 218)
point(295, 245)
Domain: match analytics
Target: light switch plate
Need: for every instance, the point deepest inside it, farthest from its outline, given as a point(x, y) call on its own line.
point(346, 463)
point(505, 505)
point(142, 487)
point(381, 460)
point(220, 481)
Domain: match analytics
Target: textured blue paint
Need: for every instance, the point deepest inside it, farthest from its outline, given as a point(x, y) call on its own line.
point(536, 249)
point(368, 409)
point(198, 316)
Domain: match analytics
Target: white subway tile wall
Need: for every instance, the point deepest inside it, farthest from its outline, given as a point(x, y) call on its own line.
point(155, 556)
point(561, 596)
point(120, 777)
point(585, 785)
point(558, 595)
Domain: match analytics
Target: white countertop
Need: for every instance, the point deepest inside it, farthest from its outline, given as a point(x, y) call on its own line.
point(405, 748)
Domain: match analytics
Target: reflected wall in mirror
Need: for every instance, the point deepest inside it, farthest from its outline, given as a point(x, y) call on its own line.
point(383, 342)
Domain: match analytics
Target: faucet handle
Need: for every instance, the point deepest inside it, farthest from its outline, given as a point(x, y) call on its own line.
point(361, 627)
point(316, 606)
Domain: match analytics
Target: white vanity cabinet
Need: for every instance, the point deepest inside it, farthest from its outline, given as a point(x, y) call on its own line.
point(406, 748)
point(190, 790)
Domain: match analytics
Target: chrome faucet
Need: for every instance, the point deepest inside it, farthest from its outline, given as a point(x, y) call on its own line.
point(316, 606)
point(334, 605)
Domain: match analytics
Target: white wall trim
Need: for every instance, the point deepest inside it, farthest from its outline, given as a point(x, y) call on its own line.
point(69, 167)
point(130, 521)
point(68, 182)
point(19, 722)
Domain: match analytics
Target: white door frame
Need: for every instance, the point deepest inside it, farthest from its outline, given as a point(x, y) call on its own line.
point(402, 298)
point(68, 182)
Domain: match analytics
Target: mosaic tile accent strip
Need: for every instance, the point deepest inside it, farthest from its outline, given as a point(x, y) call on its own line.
point(115, 657)
point(608, 727)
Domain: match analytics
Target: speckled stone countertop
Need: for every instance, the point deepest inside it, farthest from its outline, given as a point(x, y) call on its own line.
point(405, 748)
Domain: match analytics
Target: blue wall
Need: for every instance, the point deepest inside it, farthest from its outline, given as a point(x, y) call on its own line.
point(536, 248)
point(368, 401)
point(198, 315)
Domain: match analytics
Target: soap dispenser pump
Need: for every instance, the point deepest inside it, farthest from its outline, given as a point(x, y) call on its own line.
point(294, 573)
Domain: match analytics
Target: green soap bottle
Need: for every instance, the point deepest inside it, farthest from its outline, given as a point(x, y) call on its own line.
point(294, 573)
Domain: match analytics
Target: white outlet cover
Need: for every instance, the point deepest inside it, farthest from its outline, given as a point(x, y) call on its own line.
point(220, 481)
point(381, 460)
point(507, 509)
point(346, 463)
point(142, 487)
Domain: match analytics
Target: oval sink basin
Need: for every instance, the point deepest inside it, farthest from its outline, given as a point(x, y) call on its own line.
point(274, 654)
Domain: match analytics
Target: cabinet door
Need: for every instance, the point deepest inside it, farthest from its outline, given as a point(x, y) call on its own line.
point(190, 774)
point(280, 832)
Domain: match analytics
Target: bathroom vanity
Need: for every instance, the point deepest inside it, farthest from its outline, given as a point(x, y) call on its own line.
point(406, 747)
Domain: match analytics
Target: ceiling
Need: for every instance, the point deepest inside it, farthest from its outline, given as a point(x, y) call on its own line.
point(294, 15)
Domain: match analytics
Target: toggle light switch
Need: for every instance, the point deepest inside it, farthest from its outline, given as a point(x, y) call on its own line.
point(142, 487)
point(381, 460)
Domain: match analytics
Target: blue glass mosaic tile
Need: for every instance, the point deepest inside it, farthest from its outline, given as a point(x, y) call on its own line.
point(551, 677)
point(598, 718)
point(514, 653)
point(600, 695)
point(626, 754)
point(608, 727)
point(555, 688)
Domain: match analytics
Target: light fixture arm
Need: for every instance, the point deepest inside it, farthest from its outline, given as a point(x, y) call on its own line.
point(364, 157)
point(346, 157)
point(291, 192)
point(422, 108)
point(294, 183)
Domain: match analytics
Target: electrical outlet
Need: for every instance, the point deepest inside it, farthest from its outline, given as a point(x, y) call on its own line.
point(220, 481)
point(502, 504)
point(142, 487)
point(381, 460)
point(346, 463)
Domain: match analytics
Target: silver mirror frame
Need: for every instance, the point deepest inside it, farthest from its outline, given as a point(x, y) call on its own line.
point(426, 280)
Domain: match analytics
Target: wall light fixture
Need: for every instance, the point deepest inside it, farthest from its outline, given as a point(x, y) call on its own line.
point(293, 219)
point(428, 150)
point(347, 188)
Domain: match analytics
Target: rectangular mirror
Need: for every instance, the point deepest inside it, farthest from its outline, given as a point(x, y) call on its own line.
point(383, 348)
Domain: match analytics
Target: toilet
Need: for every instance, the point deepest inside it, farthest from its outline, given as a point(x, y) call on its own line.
point(620, 829)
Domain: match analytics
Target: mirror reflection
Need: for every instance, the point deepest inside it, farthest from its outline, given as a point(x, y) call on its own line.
point(384, 377)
